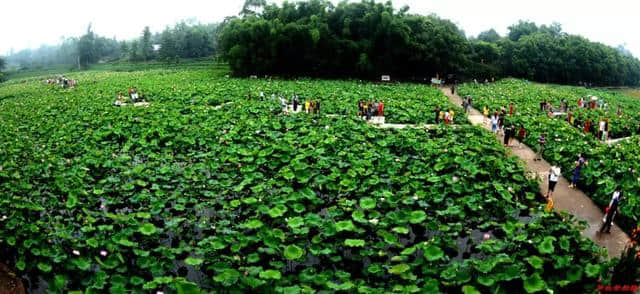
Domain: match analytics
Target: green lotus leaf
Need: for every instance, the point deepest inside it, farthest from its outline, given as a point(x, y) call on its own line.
point(433, 252)
point(354, 242)
point(345, 225)
point(295, 222)
point(468, 289)
point(277, 211)
point(253, 224)
point(147, 229)
point(367, 203)
point(270, 275)
point(534, 283)
point(293, 252)
point(227, 277)
point(82, 263)
point(44, 267)
point(535, 261)
point(399, 268)
point(546, 246)
point(592, 270)
point(193, 261)
point(486, 280)
point(186, 287)
point(417, 216)
point(72, 201)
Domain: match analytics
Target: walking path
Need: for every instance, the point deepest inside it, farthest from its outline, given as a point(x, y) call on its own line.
point(616, 141)
point(573, 201)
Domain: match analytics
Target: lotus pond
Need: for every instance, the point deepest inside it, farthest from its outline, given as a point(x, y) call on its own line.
point(182, 197)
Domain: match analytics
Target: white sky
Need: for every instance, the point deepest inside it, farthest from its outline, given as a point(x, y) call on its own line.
point(30, 23)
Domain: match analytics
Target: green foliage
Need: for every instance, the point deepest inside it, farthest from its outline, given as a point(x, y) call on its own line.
point(366, 39)
point(263, 202)
point(608, 166)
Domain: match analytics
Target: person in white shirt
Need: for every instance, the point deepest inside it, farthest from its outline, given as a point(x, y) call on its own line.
point(554, 175)
point(611, 211)
point(494, 123)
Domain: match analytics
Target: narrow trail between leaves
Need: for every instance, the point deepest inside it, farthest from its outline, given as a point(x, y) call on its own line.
point(573, 201)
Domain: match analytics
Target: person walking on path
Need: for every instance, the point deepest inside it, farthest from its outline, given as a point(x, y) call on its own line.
point(437, 113)
point(485, 112)
point(381, 108)
point(522, 133)
point(541, 142)
point(554, 175)
point(295, 103)
point(611, 211)
point(465, 105)
point(579, 164)
point(508, 134)
point(453, 89)
point(494, 122)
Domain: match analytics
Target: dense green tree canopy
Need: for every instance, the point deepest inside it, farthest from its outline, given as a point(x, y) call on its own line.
point(365, 39)
point(369, 39)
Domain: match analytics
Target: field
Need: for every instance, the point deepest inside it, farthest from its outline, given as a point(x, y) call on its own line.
point(608, 166)
point(185, 196)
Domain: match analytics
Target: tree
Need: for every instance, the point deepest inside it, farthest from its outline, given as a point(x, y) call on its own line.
point(124, 49)
point(146, 48)
point(490, 36)
point(522, 28)
point(86, 48)
point(2, 66)
point(168, 49)
point(252, 7)
point(134, 55)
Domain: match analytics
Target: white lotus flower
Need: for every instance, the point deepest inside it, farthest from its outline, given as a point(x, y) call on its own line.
point(415, 197)
point(381, 198)
point(76, 252)
point(160, 292)
point(103, 252)
point(326, 127)
point(374, 221)
point(455, 179)
point(486, 236)
point(510, 189)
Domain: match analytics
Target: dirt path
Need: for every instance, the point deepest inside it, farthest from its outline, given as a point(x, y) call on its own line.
point(573, 201)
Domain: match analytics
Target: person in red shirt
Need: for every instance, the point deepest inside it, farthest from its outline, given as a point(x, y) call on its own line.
point(587, 126)
point(381, 108)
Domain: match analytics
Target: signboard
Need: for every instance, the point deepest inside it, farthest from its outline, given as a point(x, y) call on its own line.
point(436, 81)
point(386, 78)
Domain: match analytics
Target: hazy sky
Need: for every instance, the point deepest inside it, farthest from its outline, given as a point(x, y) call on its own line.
point(30, 23)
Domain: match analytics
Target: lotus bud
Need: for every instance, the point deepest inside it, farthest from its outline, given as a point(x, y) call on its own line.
point(486, 236)
point(76, 252)
point(510, 189)
point(103, 252)
point(159, 292)
point(415, 197)
point(326, 127)
point(455, 179)
point(381, 198)
point(4, 217)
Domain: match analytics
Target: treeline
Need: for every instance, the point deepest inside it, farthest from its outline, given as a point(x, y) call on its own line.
point(368, 39)
point(183, 40)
